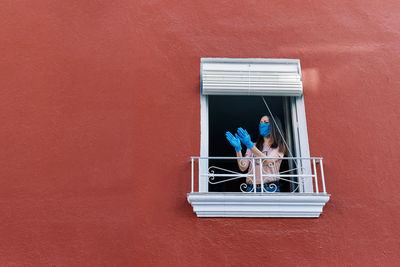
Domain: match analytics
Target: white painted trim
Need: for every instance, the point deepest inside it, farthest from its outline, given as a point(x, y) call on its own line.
point(204, 140)
point(303, 205)
point(296, 142)
point(303, 143)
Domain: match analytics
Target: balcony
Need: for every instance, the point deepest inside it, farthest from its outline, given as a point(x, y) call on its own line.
point(306, 198)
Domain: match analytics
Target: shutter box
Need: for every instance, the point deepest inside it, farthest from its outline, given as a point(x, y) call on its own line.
point(251, 76)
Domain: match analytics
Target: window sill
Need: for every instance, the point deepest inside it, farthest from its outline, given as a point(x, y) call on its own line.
point(216, 204)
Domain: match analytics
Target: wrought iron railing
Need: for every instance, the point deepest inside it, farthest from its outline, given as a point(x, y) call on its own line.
point(298, 172)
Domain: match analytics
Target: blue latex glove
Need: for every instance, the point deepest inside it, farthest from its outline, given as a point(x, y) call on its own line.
point(245, 138)
point(265, 129)
point(235, 142)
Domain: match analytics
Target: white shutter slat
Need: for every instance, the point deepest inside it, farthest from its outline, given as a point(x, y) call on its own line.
point(251, 77)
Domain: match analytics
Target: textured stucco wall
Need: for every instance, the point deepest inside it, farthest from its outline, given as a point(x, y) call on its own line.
point(99, 112)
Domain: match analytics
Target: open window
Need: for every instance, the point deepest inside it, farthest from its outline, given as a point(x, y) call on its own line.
point(230, 112)
point(235, 93)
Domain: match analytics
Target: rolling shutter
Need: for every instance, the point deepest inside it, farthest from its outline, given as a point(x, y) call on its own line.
point(224, 76)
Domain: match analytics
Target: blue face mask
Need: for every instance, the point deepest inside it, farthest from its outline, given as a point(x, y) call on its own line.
point(265, 129)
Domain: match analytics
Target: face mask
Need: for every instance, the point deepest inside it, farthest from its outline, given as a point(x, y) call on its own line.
point(265, 129)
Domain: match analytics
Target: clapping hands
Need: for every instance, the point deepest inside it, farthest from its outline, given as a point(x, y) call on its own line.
point(241, 136)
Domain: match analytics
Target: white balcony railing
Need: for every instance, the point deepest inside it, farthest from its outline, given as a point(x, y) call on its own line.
point(306, 197)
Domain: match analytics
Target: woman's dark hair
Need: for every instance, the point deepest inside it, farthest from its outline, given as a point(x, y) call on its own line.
point(276, 138)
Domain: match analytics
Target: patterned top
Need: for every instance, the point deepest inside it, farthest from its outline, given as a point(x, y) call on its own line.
point(270, 168)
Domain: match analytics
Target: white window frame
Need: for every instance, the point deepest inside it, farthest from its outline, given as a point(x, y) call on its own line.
point(220, 204)
point(300, 138)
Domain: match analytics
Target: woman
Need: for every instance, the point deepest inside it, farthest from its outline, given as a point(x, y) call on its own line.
point(270, 143)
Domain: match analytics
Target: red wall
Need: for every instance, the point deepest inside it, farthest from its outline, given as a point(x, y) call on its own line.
point(100, 110)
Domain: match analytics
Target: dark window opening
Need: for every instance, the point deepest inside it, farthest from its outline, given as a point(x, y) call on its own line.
point(227, 113)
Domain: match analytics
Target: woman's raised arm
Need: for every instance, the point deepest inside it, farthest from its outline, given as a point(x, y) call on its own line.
point(243, 164)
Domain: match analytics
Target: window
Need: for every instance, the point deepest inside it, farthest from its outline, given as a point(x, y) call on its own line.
point(235, 92)
point(230, 112)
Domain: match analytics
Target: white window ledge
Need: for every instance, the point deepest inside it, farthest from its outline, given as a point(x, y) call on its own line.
point(215, 204)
